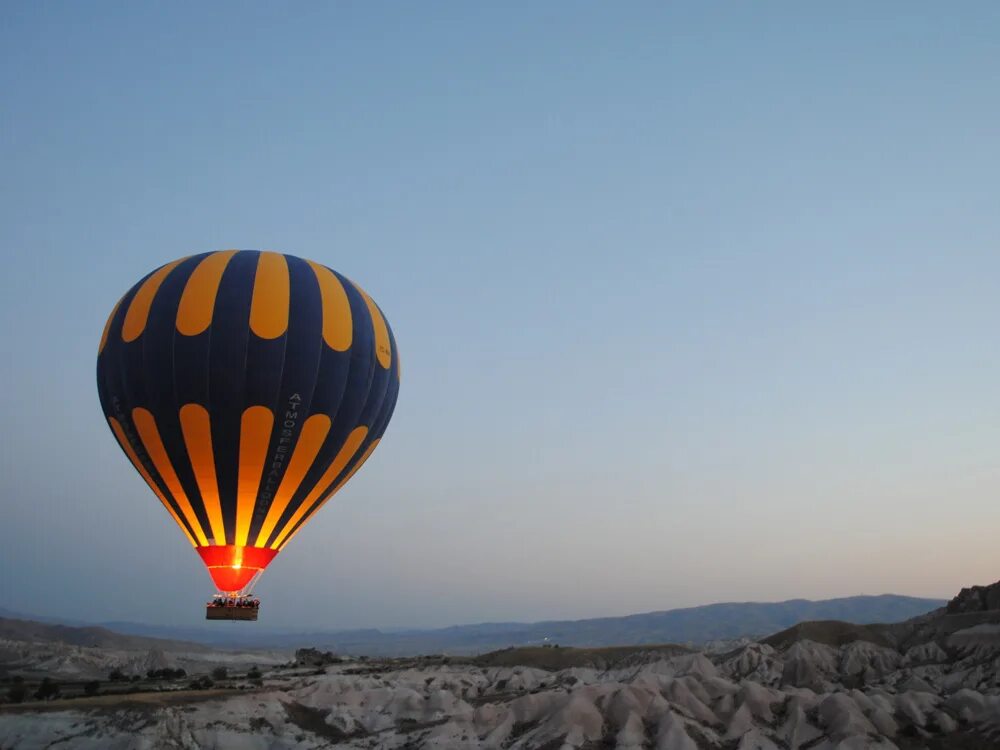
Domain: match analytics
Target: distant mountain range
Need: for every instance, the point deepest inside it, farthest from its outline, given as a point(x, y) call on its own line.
point(690, 626)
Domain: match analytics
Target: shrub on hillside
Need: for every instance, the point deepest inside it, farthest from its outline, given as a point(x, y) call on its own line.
point(165, 674)
point(47, 690)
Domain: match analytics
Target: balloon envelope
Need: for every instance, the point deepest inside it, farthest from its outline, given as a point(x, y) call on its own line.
point(246, 388)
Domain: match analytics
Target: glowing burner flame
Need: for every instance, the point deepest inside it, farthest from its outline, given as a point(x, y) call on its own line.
point(232, 567)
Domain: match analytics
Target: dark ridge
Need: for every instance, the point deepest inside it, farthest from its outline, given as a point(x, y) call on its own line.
point(976, 599)
point(831, 633)
point(554, 658)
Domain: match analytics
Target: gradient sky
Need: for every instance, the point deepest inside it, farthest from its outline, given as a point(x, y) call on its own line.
point(696, 302)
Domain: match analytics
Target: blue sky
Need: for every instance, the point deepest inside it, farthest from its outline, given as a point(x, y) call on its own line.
point(696, 302)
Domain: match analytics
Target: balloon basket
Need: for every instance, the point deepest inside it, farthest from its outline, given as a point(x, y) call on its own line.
point(230, 613)
point(222, 608)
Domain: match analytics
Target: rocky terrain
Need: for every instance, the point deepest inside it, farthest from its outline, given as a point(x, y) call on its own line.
point(931, 682)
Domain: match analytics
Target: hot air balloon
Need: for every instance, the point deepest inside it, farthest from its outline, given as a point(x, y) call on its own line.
point(246, 388)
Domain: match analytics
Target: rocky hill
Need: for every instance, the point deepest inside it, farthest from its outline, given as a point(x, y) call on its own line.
point(930, 683)
point(94, 637)
point(34, 648)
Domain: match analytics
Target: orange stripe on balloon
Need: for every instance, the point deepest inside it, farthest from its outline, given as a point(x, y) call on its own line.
point(197, 428)
point(335, 490)
point(255, 434)
point(314, 432)
point(145, 424)
point(194, 314)
point(269, 306)
point(347, 451)
point(338, 330)
point(383, 350)
point(138, 309)
point(130, 452)
point(107, 326)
